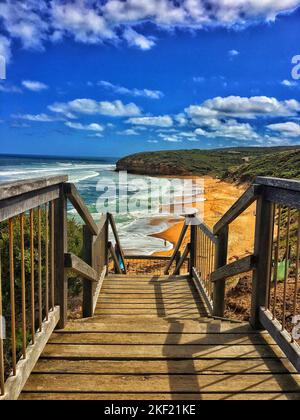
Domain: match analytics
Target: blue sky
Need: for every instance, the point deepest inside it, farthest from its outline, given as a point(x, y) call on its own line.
point(109, 78)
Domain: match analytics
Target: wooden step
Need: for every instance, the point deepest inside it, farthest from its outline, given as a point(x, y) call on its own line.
point(159, 351)
point(98, 396)
point(140, 346)
point(163, 383)
point(205, 325)
point(163, 367)
point(161, 339)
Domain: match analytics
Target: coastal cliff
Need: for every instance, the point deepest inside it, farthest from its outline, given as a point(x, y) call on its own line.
point(239, 164)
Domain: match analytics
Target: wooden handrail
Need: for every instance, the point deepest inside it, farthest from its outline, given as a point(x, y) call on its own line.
point(13, 206)
point(81, 268)
point(177, 248)
point(286, 184)
point(115, 259)
point(206, 230)
point(117, 239)
point(245, 201)
point(234, 269)
point(78, 203)
point(17, 188)
point(182, 259)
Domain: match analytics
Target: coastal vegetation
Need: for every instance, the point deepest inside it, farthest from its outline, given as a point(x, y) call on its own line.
point(238, 164)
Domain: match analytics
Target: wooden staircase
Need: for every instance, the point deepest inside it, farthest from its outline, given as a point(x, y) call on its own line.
point(152, 338)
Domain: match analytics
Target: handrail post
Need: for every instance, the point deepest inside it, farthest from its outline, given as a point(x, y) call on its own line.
point(178, 258)
point(88, 288)
point(264, 232)
point(60, 248)
point(106, 242)
point(193, 250)
point(221, 260)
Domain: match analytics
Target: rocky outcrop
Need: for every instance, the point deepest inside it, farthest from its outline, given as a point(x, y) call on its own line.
point(140, 166)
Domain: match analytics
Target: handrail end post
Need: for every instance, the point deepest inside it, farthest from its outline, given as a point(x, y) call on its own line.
point(60, 248)
point(264, 232)
point(221, 261)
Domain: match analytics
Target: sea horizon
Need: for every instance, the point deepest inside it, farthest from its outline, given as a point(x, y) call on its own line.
point(91, 176)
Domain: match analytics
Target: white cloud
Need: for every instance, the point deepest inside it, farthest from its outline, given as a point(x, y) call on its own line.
point(35, 118)
point(135, 39)
point(233, 53)
point(288, 129)
point(89, 127)
point(288, 83)
point(239, 107)
point(230, 129)
point(36, 22)
point(5, 50)
point(81, 20)
point(161, 121)
point(146, 93)
point(181, 119)
point(152, 141)
point(129, 132)
point(34, 86)
point(92, 107)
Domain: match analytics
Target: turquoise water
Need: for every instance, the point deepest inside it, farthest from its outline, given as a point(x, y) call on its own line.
point(92, 179)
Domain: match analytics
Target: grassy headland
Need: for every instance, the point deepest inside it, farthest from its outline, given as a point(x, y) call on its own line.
point(238, 164)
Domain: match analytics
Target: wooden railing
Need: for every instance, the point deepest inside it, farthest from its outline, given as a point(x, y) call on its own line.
point(36, 264)
point(275, 261)
point(35, 268)
point(30, 240)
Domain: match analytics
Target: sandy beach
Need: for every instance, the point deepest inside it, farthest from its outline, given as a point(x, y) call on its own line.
point(219, 197)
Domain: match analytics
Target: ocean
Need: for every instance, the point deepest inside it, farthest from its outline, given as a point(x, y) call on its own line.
point(103, 190)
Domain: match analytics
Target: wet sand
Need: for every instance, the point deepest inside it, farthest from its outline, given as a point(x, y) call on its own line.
point(220, 196)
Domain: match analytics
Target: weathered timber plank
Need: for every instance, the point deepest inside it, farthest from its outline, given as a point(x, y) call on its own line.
point(282, 196)
point(156, 351)
point(207, 232)
point(78, 203)
point(248, 198)
point(287, 184)
point(238, 267)
point(16, 188)
point(162, 397)
point(175, 383)
point(203, 294)
point(78, 266)
point(115, 258)
point(212, 367)
point(15, 384)
point(142, 338)
point(14, 206)
point(282, 338)
point(117, 238)
point(177, 248)
point(154, 305)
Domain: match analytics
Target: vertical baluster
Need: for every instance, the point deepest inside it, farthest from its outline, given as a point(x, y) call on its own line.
point(40, 295)
point(2, 390)
point(32, 285)
point(201, 255)
point(23, 287)
point(12, 297)
point(286, 274)
point(297, 271)
point(47, 261)
point(52, 254)
point(277, 259)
